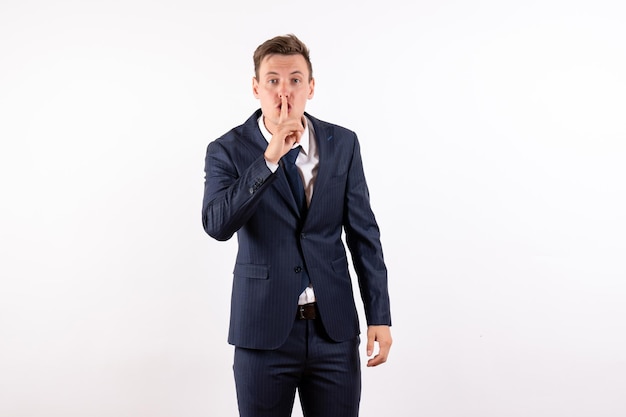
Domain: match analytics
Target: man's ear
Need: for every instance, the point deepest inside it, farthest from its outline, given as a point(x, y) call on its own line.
point(311, 88)
point(255, 87)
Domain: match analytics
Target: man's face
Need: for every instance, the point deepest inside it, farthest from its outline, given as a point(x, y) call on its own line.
point(282, 75)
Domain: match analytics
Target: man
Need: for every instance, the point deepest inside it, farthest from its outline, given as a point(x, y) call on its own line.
point(288, 184)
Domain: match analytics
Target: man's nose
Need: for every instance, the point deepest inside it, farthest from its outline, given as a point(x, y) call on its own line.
point(285, 89)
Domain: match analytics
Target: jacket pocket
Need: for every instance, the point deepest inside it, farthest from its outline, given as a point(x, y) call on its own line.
point(251, 271)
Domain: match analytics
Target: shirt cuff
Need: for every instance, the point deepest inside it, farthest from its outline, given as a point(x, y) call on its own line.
point(271, 166)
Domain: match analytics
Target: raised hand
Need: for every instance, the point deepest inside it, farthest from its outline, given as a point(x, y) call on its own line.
point(287, 132)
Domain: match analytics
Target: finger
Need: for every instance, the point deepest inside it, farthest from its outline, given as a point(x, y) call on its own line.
point(297, 135)
point(371, 336)
point(284, 108)
point(377, 360)
point(381, 357)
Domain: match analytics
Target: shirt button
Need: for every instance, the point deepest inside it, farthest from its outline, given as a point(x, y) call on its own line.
point(297, 269)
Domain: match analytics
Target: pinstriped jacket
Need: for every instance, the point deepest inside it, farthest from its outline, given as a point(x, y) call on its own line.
point(275, 245)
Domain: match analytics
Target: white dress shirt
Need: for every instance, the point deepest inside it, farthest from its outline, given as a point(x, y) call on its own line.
point(307, 163)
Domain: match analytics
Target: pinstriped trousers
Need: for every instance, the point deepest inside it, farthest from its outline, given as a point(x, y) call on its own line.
point(326, 374)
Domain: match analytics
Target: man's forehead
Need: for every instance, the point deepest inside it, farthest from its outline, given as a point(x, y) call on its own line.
point(290, 63)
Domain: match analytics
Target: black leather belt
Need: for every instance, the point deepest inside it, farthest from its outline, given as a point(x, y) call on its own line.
point(307, 311)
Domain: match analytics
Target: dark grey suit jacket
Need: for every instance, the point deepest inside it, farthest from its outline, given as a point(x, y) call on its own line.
point(243, 196)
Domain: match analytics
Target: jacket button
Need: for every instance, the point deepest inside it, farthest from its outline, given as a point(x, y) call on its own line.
point(297, 269)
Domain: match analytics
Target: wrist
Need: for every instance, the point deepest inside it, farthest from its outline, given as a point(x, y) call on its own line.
point(270, 160)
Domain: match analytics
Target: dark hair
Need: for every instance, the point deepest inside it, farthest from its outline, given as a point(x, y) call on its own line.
point(281, 45)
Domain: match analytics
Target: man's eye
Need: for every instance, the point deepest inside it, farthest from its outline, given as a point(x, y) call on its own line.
point(272, 81)
point(297, 81)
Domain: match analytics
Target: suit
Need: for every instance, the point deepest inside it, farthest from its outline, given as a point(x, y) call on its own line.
point(276, 244)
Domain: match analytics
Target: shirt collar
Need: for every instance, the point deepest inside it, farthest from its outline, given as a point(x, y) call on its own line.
point(304, 139)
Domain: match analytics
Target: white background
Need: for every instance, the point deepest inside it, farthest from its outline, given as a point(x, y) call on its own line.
point(493, 136)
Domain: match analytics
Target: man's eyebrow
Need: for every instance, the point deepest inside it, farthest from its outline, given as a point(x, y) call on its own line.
point(275, 73)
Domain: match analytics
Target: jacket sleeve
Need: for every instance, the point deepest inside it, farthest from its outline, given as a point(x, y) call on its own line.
point(363, 240)
point(232, 190)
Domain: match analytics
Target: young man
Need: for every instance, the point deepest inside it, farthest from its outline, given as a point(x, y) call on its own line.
point(288, 184)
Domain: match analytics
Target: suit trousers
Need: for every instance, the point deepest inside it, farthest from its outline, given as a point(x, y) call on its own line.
point(326, 374)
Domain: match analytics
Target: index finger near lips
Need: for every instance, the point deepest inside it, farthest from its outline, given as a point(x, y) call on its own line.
point(284, 108)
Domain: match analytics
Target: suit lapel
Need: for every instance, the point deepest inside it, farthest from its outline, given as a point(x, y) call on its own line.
point(251, 130)
point(325, 148)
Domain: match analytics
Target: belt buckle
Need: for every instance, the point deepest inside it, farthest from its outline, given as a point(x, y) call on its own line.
point(301, 310)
